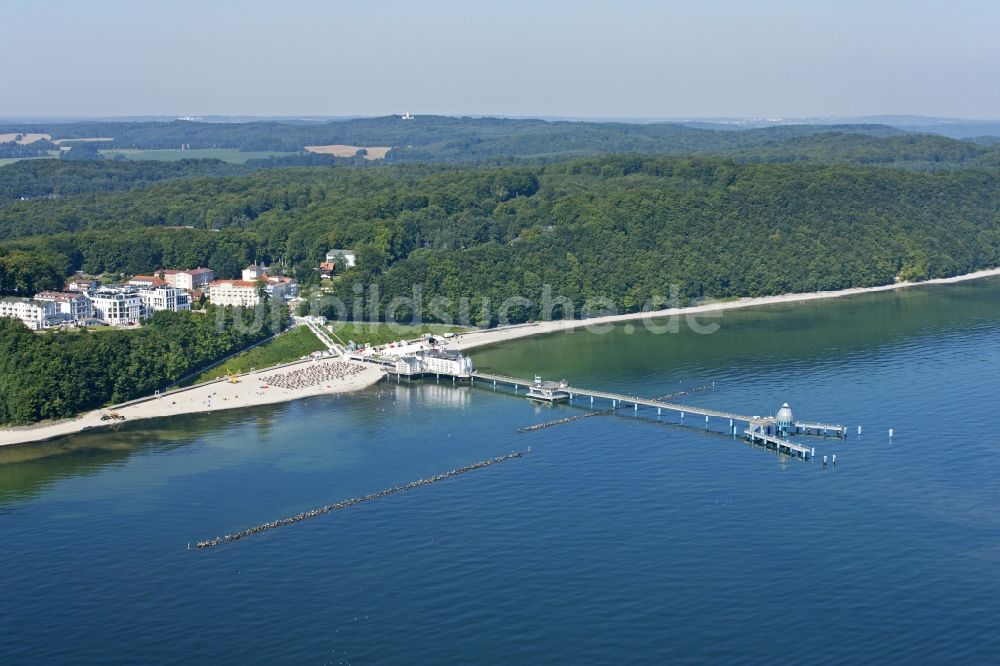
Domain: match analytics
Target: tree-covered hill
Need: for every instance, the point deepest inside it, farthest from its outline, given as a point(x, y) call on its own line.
point(49, 178)
point(34, 179)
point(602, 137)
point(496, 140)
point(621, 227)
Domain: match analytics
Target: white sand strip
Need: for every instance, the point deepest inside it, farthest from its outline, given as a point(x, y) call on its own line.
point(247, 393)
point(213, 396)
point(475, 339)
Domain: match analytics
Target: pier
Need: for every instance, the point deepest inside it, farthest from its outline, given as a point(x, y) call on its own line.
point(618, 400)
point(760, 432)
point(770, 431)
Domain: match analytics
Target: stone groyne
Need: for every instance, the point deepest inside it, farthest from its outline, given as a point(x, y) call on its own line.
point(299, 517)
point(568, 419)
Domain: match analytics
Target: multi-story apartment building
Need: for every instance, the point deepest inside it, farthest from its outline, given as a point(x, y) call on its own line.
point(70, 306)
point(190, 280)
point(164, 298)
point(35, 315)
point(234, 292)
point(118, 306)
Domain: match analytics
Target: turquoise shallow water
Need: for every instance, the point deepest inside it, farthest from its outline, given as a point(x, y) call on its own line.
point(618, 538)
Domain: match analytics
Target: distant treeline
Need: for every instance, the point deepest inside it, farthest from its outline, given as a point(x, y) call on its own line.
point(35, 179)
point(58, 374)
point(621, 227)
point(498, 140)
point(34, 149)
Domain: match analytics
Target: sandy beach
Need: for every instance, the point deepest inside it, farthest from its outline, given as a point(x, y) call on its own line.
point(281, 383)
point(249, 391)
point(473, 339)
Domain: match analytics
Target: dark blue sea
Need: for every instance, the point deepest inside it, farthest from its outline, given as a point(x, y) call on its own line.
point(621, 538)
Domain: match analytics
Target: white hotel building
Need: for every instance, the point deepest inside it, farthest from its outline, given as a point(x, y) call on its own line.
point(164, 298)
point(195, 278)
point(118, 306)
point(233, 292)
point(70, 306)
point(36, 315)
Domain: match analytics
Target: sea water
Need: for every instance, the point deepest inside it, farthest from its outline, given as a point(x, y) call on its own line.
point(619, 538)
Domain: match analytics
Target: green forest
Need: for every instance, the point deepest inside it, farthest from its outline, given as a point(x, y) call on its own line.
point(441, 139)
point(623, 227)
point(741, 213)
point(58, 374)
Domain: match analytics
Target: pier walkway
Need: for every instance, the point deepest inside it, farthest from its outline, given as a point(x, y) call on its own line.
point(620, 399)
point(765, 430)
point(760, 430)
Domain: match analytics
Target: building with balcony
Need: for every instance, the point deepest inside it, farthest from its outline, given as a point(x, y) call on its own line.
point(118, 306)
point(234, 292)
point(171, 299)
point(189, 280)
point(36, 315)
point(70, 306)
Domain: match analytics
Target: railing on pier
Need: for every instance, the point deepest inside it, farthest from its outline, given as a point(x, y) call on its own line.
point(620, 398)
point(759, 428)
point(805, 426)
point(759, 431)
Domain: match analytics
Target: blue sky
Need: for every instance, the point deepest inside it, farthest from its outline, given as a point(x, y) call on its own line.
point(626, 58)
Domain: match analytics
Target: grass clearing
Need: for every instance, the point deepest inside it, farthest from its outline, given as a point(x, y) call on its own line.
point(103, 139)
point(11, 160)
point(25, 137)
point(341, 150)
point(230, 155)
point(289, 346)
point(367, 333)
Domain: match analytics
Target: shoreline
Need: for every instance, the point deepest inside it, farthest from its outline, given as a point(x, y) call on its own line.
point(476, 339)
point(201, 398)
point(222, 395)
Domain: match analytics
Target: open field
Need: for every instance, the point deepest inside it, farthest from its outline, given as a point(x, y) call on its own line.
point(225, 154)
point(366, 333)
point(25, 138)
point(290, 346)
point(11, 160)
point(340, 150)
point(59, 142)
